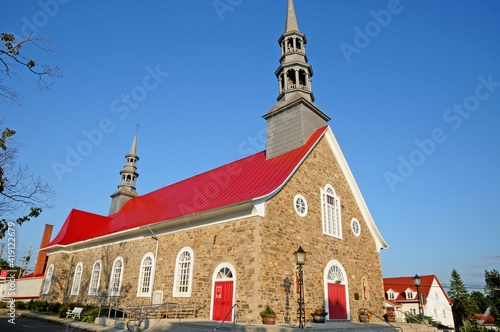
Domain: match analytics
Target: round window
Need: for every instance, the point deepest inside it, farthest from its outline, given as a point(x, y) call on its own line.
point(300, 205)
point(356, 227)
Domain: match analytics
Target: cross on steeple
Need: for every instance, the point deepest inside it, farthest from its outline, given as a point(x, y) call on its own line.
point(138, 126)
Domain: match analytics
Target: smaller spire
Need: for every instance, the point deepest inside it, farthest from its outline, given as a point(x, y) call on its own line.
point(291, 19)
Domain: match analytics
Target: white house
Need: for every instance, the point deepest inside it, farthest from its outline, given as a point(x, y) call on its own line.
point(401, 297)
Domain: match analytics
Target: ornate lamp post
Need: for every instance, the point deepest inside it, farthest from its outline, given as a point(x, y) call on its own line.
point(418, 281)
point(300, 259)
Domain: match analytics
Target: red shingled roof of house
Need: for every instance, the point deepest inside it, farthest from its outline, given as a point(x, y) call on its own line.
point(401, 284)
point(243, 180)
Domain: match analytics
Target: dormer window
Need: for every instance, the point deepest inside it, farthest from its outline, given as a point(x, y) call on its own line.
point(392, 295)
point(410, 294)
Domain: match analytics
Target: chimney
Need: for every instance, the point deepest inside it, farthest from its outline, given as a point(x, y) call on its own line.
point(42, 255)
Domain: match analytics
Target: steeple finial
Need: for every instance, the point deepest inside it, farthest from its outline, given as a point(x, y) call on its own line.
point(291, 19)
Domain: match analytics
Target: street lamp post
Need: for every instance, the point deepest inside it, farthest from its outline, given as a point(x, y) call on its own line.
point(418, 281)
point(300, 258)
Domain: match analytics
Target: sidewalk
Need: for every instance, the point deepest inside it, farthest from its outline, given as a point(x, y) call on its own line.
point(84, 326)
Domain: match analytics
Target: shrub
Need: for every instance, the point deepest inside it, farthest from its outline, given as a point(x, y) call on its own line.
point(53, 307)
point(20, 305)
point(268, 312)
point(3, 305)
point(89, 314)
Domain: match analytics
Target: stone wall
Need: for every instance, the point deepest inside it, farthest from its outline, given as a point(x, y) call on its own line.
point(235, 242)
point(283, 231)
point(261, 249)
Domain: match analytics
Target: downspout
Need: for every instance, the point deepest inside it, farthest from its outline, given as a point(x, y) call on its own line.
point(154, 274)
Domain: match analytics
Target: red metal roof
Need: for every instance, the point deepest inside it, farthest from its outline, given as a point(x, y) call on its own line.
point(401, 284)
point(237, 182)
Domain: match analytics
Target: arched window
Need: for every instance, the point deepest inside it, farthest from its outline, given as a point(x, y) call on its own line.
point(116, 277)
point(330, 209)
point(146, 275)
point(77, 278)
point(95, 278)
point(48, 279)
point(183, 273)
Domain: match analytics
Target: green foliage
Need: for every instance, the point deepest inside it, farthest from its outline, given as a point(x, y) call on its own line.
point(468, 326)
point(267, 312)
point(480, 300)
point(492, 279)
point(463, 307)
point(20, 305)
point(89, 315)
point(3, 305)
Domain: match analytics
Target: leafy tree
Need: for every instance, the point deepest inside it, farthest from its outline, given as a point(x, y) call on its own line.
point(480, 300)
point(22, 195)
point(12, 57)
point(463, 307)
point(492, 279)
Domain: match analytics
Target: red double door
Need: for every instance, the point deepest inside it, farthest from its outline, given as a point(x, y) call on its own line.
point(337, 307)
point(223, 300)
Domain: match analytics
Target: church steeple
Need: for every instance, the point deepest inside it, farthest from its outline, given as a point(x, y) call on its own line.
point(294, 118)
point(294, 73)
point(128, 177)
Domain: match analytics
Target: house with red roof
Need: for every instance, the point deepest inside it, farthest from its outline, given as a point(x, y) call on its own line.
point(229, 236)
point(401, 297)
point(487, 320)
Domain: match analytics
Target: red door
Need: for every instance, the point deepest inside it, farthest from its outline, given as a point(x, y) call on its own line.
point(337, 307)
point(223, 300)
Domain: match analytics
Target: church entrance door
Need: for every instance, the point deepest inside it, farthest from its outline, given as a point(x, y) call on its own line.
point(336, 301)
point(336, 290)
point(223, 300)
point(223, 292)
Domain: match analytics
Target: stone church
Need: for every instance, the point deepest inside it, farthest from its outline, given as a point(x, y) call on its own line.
point(228, 236)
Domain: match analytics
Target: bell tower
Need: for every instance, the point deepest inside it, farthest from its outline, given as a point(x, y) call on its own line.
point(128, 176)
point(295, 117)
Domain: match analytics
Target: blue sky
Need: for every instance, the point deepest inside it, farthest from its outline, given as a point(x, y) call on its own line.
point(413, 97)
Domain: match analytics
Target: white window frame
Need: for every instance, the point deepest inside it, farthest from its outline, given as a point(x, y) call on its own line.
point(409, 292)
point(112, 279)
point(295, 199)
point(331, 227)
point(95, 279)
point(392, 295)
point(77, 279)
point(355, 222)
point(48, 279)
point(178, 279)
point(142, 280)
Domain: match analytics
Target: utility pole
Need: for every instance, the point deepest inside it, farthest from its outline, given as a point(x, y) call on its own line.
point(26, 260)
point(1, 250)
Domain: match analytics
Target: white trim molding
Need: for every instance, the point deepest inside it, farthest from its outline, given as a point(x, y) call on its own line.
point(180, 281)
point(300, 205)
point(214, 279)
point(48, 279)
point(146, 281)
point(331, 213)
point(115, 291)
point(341, 281)
point(95, 290)
point(77, 279)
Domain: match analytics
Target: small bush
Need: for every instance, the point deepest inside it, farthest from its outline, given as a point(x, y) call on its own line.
point(89, 314)
point(3, 305)
point(20, 305)
point(53, 307)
